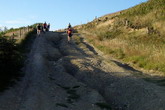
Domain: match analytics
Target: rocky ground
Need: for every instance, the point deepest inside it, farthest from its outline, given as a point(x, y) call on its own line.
point(75, 76)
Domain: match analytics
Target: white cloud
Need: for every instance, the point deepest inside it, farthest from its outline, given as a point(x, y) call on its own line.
point(25, 21)
point(16, 23)
point(13, 22)
point(19, 22)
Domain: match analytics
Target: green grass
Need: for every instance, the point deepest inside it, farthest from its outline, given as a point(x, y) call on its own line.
point(10, 61)
point(12, 57)
point(140, 42)
point(25, 44)
point(139, 60)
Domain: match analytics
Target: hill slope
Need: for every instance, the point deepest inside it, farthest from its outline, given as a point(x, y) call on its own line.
point(13, 48)
point(135, 35)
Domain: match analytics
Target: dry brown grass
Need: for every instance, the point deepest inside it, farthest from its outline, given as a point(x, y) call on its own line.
point(141, 42)
point(110, 22)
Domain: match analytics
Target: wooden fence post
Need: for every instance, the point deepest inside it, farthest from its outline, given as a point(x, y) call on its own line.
point(20, 33)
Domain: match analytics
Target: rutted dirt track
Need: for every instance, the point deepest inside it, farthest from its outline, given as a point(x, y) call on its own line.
point(62, 76)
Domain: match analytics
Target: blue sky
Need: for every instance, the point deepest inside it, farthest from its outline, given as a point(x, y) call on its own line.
point(18, 13)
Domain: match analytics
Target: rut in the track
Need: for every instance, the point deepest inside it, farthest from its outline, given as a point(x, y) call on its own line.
point(47, 85)
point(62, 76)
point(120, 87)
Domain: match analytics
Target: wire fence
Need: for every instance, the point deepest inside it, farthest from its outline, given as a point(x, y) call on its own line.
point(20, 34)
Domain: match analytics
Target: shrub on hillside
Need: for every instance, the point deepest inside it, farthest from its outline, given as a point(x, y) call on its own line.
point(10, 61)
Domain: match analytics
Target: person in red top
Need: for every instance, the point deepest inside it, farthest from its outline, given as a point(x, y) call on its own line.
point(69, 32)
point(44, 26)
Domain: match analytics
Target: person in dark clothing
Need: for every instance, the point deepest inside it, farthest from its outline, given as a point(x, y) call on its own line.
point(39, 28)
point(48, 27)
point(69, 26)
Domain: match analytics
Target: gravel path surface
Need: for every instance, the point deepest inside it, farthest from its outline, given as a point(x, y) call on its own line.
point(73, 76)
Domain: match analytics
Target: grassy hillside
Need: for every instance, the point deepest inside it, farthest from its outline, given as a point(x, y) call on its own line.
point(12, 56)
point(135, 35)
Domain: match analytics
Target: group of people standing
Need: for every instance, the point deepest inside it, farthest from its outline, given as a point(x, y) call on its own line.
point(45, 27)
point(42, 28)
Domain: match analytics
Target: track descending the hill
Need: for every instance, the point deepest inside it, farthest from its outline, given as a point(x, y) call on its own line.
point(74, 76)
